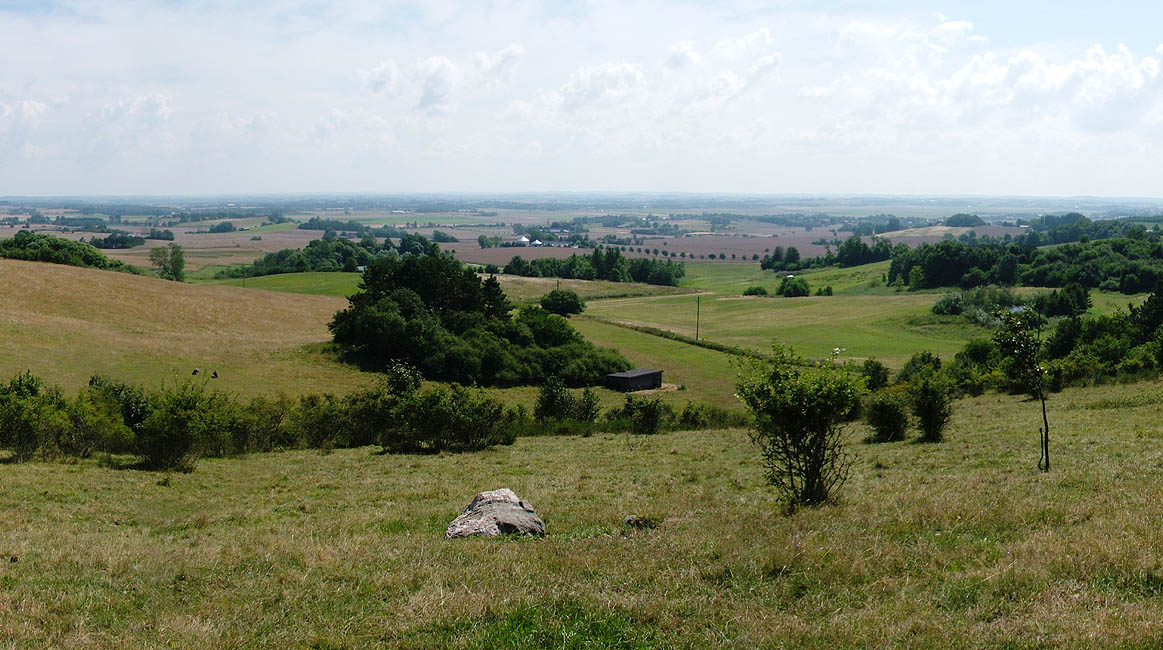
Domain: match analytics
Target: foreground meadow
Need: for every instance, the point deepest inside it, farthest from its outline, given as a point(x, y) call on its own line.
point(958, 544)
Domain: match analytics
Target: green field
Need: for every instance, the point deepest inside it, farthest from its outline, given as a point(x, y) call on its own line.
point(962, 544)
point(890, 327)
point(732, 279)
point(339, 285)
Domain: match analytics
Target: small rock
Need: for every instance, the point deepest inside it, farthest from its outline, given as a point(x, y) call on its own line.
point(494, 513)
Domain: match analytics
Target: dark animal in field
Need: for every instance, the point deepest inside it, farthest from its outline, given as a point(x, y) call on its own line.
point(214, 375)
point(196, 371)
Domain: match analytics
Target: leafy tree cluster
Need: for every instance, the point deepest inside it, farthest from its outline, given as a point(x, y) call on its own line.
point(603, 264)
point(1074, 227)
point(962, 220)
point(867, 227)
point(225, 226)
point(793, 287)
point(328, 254)
point(443, 237)
point(854, 252)
point(539, 233)
point(1131, 264)
point(1077, 349)
point(563, 302)
point(41, 247)
point(164, 235)
point(435, 314)
point(979, 305)
point(486, 241)
point(118, 239)
point(782, 260)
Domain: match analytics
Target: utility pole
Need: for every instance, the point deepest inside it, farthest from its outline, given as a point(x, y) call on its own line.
point(698, 310)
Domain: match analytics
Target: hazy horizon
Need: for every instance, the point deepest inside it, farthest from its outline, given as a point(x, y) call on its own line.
point(152, 98)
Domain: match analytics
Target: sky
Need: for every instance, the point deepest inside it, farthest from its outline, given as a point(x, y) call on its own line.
point(163, 97)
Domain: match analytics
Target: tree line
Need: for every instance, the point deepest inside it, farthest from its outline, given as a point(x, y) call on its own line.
point(603, 264)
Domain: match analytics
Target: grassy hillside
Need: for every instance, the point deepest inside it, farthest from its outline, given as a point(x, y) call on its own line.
point(67, 323)
point(958, 544)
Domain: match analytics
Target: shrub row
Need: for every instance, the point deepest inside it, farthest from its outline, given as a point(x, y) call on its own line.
point(172, 427)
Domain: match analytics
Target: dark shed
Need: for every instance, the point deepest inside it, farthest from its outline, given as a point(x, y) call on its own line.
point(637, 379)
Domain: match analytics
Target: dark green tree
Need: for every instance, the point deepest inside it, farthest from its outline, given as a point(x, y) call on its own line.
point(563, 302)
point(170, 262)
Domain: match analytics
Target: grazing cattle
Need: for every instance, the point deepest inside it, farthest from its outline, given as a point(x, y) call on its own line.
point(214, 375)
point(196, 371)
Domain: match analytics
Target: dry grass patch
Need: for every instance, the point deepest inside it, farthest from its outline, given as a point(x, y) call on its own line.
point(67, 323)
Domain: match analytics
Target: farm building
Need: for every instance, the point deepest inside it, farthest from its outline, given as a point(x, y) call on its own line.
point(637, 379)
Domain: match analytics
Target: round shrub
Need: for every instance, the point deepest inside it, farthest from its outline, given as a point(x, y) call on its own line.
point(949, 304)
point(887, 414)
point(932, 402)
point(563, 302)
point(875, 374)
point(755, 291)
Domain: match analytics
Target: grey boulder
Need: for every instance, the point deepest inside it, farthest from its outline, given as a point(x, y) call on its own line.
point(494, 513)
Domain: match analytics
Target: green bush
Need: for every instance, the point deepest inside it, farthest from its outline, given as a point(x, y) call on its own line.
point(92, 423)
point(799, 423)
point(642, 416)
point(875, 374)
point(31, 415)
point(794, 287)
point(887, 414)
point(322, 421)
point(553, 401)
point(920, 364)
point(132, 402)
point(755, 291)
point(932, 403)
point(563, 302)
point(449, 419)
point(176, 430)
point(704, 416)
point(949, 304)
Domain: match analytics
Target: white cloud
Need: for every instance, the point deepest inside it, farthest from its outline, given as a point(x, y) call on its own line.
point(500, 65)
point(382, 77)
point(437, 77)
point(160, 97)
point(605, 84)
point(683, 54)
